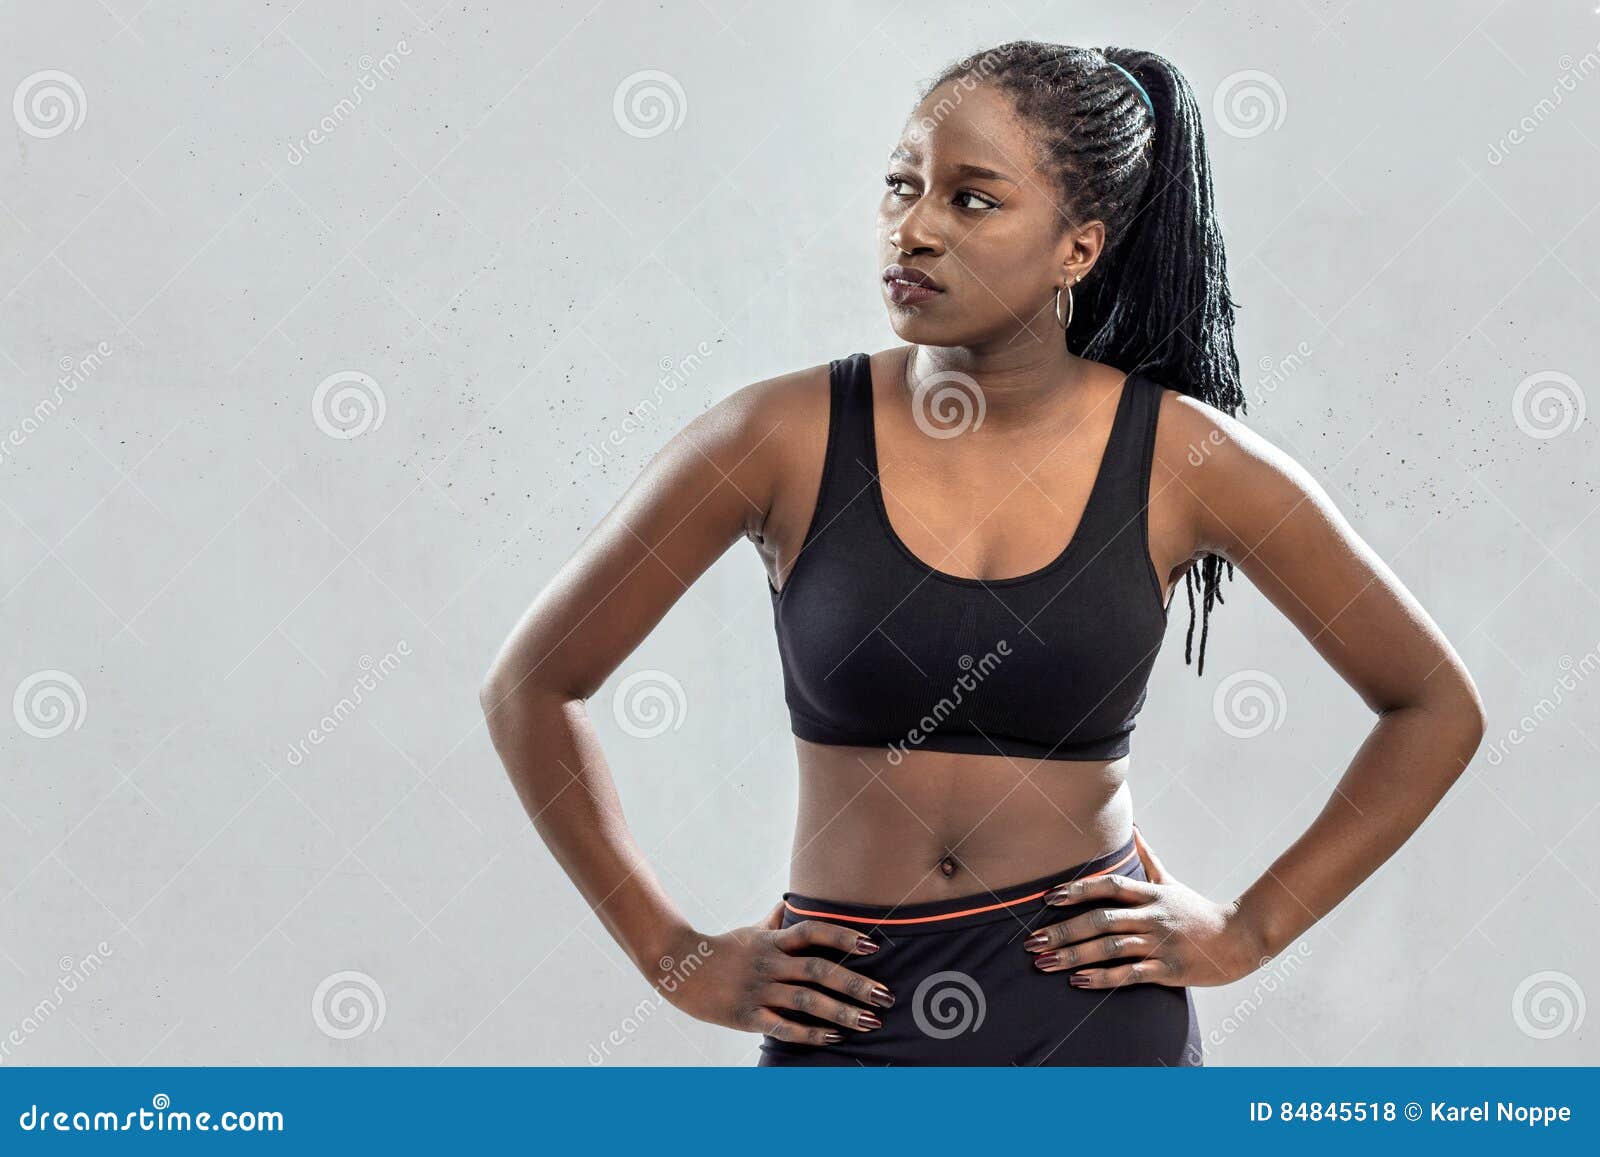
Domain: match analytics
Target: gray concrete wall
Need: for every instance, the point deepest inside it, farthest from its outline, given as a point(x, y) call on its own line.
point(320, 327)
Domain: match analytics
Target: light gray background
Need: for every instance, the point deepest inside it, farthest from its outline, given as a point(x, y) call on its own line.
point(482, 237)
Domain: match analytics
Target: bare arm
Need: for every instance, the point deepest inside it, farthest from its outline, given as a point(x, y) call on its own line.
point(1258, 508)
point(714, 483)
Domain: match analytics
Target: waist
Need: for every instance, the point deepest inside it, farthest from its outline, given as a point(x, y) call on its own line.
point(963, 911)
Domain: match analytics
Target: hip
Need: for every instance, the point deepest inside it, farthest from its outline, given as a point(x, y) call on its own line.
point(968, 993)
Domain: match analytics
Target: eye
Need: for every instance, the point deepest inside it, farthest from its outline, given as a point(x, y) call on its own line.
point(984, 203)
point(891, 180)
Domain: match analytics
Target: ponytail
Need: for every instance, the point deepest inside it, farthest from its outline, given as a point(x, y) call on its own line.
point(1132, 153)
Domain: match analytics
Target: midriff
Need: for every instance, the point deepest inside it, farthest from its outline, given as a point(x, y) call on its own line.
point(928, 825)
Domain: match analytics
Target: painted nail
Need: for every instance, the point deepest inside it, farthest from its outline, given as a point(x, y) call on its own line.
point(1046, 960)
point(867, 1020)
point(881, 996)
point(1078, 980)
point(1037, 941)
point(833, 1036)
point(1061, 895)
point(866, 944)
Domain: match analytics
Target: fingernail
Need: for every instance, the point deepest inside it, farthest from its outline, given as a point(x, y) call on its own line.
point(1037, 941)
point(1046, 960)
point(867, 1020)
point(1061, 895)
point(866, 944)
point(833, 1036)
point(882, 997)
point(1078, 980)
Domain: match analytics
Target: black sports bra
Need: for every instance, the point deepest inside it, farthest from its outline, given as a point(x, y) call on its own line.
point(879, 649)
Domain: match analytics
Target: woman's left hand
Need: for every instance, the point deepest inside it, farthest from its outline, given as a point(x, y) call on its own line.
point(1170, 933)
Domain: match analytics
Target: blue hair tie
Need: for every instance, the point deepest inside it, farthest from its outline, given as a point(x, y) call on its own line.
point(1143, 95)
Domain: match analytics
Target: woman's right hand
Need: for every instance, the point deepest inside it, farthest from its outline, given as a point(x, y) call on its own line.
point(750, 977)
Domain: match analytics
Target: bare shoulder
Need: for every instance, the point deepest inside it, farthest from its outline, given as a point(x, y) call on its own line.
point(1236, 485)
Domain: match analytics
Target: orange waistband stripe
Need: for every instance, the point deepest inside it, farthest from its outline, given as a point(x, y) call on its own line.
point(1131, 856)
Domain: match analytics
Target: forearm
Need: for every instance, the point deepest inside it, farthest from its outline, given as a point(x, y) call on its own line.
point(553, 758)
point(1406, 765)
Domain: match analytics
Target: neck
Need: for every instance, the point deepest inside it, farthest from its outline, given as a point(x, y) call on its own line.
point(1020, 380)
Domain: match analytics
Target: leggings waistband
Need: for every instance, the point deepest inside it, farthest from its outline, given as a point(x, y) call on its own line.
point(959, 911)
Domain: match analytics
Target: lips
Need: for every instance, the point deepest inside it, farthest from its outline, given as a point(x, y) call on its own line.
point(907, 286)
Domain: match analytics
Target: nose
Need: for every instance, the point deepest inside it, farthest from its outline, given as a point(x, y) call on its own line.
point(915, 233)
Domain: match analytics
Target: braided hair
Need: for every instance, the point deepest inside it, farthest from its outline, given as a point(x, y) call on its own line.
point(1157, 300)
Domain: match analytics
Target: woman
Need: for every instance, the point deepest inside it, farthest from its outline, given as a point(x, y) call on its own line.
point(972, 541)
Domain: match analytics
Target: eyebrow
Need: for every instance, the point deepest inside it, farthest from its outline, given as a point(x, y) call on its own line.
point(962, 170)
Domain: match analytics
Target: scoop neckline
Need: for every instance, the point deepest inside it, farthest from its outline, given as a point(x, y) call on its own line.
point(1090, 508)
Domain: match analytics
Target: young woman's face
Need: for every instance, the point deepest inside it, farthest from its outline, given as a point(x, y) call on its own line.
point(967, 206)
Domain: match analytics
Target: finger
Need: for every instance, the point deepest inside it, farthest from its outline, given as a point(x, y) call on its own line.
point(1155, 970)
point(818, 1004)
point(1097, 922)
point(1112, 887)
point(1154, 870)
point(769, 1023)
point(1095, 951)
point(774, 918)
point(815, 932)
point(835, 976)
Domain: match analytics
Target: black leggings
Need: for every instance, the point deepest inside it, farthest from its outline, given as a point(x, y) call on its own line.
point(968, 993)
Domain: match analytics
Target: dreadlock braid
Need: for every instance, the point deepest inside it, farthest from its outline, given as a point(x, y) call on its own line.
point(1157, 301)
